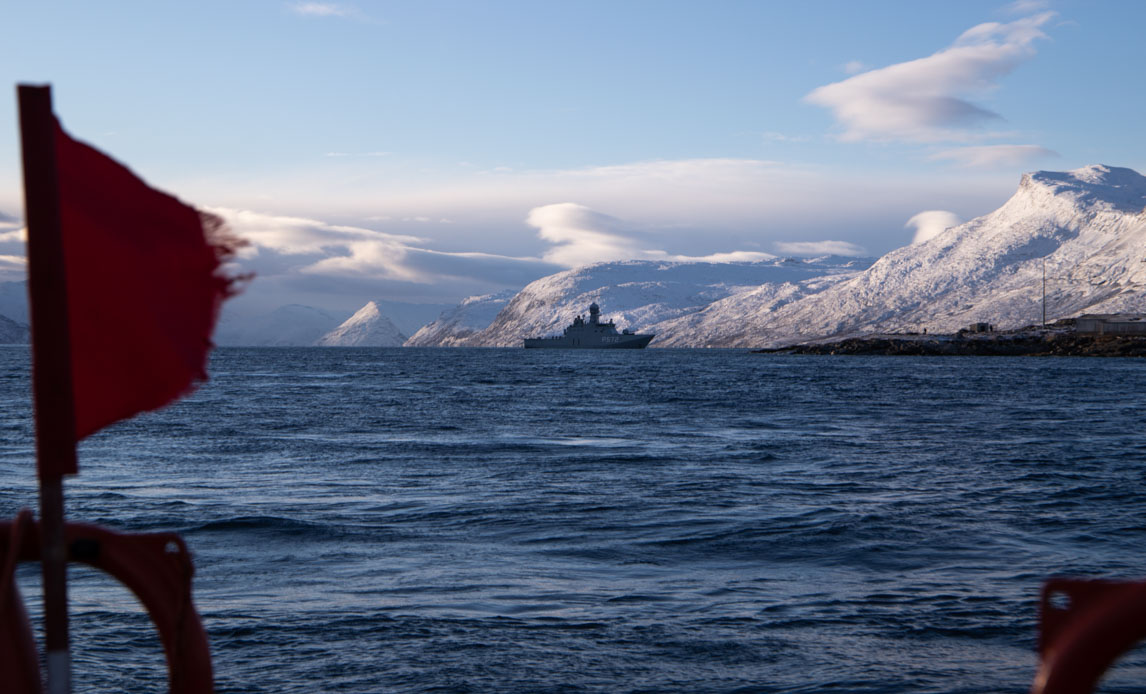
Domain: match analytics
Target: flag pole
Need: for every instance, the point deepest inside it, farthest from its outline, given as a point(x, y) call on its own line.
point(51, 367)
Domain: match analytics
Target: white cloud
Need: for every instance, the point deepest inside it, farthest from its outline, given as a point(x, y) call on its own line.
point(19, 235)
point(994, 156)
point(381, 259)
point(854, 67)
point(925, 100)
point(718, 194)
point(288, 249)
point(1027, 6)
point(681, 170)
point(693, 207)
point(331, 9)
point(12, 268)
point(931, 223)
point(583, 236)
point(321, 248)
point(299, 235)
point(358, 154)
point(13, 243)
point(781, 137)
point(387, 260)
point(729, 257)
point(321, 9)
point(816, 248)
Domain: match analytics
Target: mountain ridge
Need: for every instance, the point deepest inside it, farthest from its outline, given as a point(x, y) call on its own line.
point(455, 325)
point(639, 293)
point(1087, 227)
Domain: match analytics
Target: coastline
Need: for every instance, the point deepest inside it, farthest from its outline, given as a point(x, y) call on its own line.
point(1056, 340)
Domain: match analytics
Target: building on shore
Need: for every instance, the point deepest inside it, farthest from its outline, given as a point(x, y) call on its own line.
point(1111, 324)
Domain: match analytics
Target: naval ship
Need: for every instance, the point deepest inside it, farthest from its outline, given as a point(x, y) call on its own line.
point(591, 335)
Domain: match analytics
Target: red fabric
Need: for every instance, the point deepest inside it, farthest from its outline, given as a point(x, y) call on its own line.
point(144, 285)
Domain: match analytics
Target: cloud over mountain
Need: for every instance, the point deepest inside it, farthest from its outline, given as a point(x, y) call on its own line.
point(931, 223)
point(13, 236)
point(298, 246)
point(581, 235)
point(813, 248)
point(1084, 225)
point(584, 236)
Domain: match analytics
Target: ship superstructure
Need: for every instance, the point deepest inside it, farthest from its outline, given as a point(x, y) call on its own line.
point(591, 334)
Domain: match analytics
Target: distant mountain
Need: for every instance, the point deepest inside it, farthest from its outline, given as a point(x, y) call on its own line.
point(12, 333)
point(640, 293)
point(14, 301)
point(410, 317)
point(366, 328)
point(291, 325)
point(458, 323)
point(1088, 226)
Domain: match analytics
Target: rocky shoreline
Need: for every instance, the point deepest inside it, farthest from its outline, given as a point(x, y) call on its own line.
point(1054, 341)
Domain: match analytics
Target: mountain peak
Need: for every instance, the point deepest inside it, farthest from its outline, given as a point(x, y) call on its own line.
point(370, 310)
point(1115, 176)
point(1122, 188)
point(368, 327)
point(634, 293)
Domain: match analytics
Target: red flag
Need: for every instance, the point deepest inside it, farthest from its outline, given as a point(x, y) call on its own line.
point(144, 287)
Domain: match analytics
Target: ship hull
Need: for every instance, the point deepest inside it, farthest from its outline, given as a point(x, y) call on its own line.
point(603, 342)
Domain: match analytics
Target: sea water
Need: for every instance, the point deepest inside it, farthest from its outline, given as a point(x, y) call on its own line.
point(489, 520)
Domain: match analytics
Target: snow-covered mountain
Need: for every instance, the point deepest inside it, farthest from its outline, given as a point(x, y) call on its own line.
point(1088, 226)
point(11, 332)
point(458, 323)
point(410, 317)
point(366, 328)
point(291, 325)
point(639, 293)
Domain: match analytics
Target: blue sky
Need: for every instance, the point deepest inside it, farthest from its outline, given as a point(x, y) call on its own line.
point(423, 151)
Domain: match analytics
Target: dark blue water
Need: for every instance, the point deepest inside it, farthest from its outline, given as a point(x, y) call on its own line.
point(411, 520)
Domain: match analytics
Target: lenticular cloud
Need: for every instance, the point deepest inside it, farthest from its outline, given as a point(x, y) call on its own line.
point(925, 100)
point(583, 236)
point(931, 223)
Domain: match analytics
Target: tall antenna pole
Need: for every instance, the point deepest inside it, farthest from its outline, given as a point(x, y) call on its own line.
point(1044, 292)
point(51, 367)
